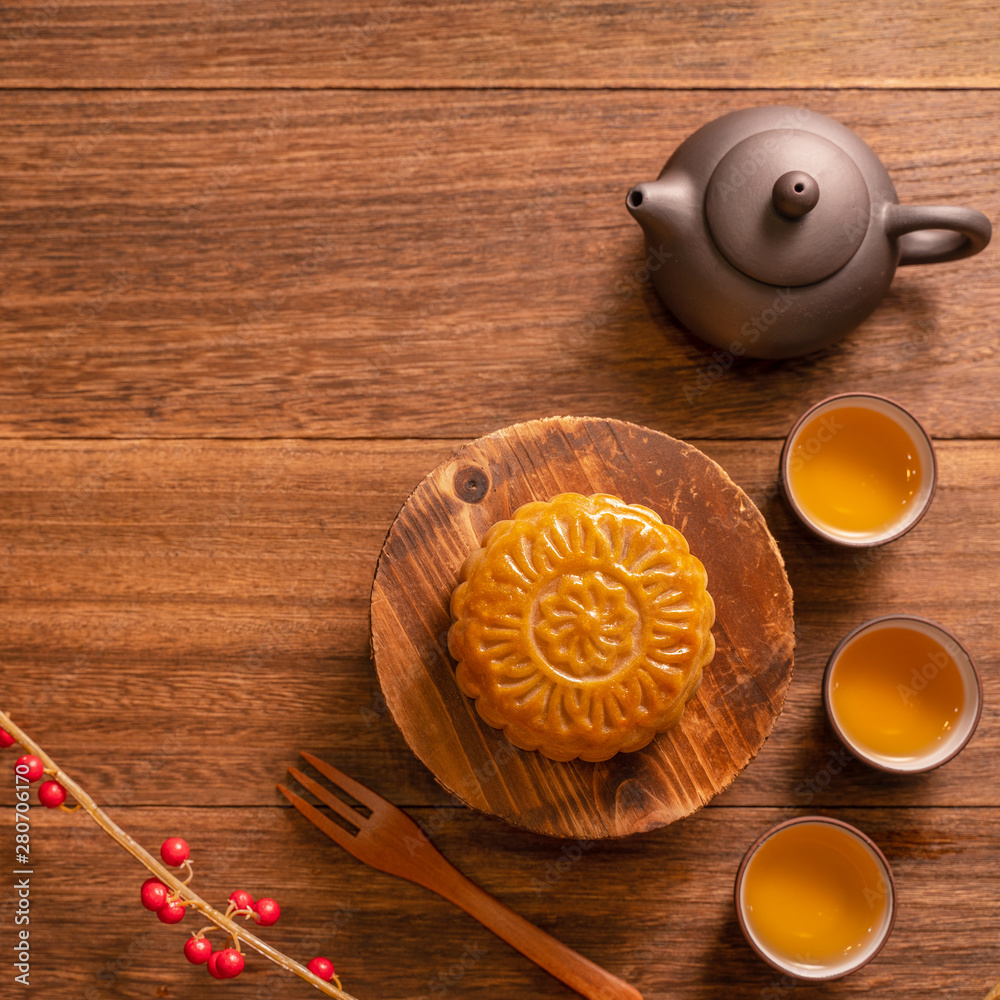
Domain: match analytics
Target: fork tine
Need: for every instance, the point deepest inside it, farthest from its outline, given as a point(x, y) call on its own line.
point(324, 823)
point(349, 785)
point(328, 798)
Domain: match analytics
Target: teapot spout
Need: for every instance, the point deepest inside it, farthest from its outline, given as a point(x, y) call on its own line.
point(659, 208)
point(638, 200)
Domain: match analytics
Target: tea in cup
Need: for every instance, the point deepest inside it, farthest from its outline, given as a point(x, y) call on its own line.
point(815, 898)
point(858, 469)
point(902, 694)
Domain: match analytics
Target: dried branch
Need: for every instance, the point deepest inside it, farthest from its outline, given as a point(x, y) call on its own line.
point(185, 892)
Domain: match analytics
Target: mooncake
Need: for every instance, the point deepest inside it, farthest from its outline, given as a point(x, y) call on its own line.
point(581, 626)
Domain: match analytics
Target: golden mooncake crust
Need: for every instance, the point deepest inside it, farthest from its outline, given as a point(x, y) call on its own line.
point(581, 626)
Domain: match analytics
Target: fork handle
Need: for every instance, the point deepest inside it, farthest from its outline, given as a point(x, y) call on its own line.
point(584, 976)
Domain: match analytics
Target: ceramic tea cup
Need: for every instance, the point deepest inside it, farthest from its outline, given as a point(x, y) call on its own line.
point(815, 898)
point(858, 469)
point(902, 693)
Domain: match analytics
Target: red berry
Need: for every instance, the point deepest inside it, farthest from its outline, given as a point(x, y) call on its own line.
point(175, 851)
point(153, 894)
point(242, 899)
point(322, 967)
point(197, 950)
point(35, 768)
point(6, 740)
point(212, 962)
point(171, 913)
point(267, 911)
point(51, 794)
point(229, 964)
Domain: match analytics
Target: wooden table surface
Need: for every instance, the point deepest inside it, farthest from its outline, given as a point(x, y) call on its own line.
point(262, 267)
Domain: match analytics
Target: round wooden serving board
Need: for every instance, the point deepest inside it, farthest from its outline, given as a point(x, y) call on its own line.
point(743, 688)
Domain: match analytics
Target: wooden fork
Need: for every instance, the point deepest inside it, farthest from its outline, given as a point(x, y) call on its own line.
point(390, 841)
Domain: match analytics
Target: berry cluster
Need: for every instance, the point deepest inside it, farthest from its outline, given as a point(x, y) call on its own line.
point(51, 794)
point(226, 963)
point(169, 907)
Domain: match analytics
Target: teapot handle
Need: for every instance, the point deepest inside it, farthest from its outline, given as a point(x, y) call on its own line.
point(921, 235)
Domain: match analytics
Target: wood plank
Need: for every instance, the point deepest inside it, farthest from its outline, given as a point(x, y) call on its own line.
point(569, 43)
point(396, 265)
point(404, 231)
point(160, 589)
point(655, 909)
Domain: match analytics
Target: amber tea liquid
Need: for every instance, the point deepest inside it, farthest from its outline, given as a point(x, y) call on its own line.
point(854, 471)
point(896, 693)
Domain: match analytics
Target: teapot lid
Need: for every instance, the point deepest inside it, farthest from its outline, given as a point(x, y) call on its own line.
point(787, 207)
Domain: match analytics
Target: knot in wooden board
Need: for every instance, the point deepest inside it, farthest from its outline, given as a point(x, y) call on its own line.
point(471, 484)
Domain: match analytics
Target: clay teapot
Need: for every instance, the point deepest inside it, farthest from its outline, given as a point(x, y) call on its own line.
point(779, 231)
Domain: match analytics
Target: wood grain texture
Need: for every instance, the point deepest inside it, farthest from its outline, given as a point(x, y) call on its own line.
point(742, 689)
point(514, 43)
point(295, 256)
point(157, 589)
point(655, 909)
point(423, 264)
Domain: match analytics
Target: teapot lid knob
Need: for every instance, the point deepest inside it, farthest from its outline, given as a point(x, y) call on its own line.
point(794, 194)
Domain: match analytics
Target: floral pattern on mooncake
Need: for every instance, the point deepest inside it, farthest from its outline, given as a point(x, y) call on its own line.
point(581, 627)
